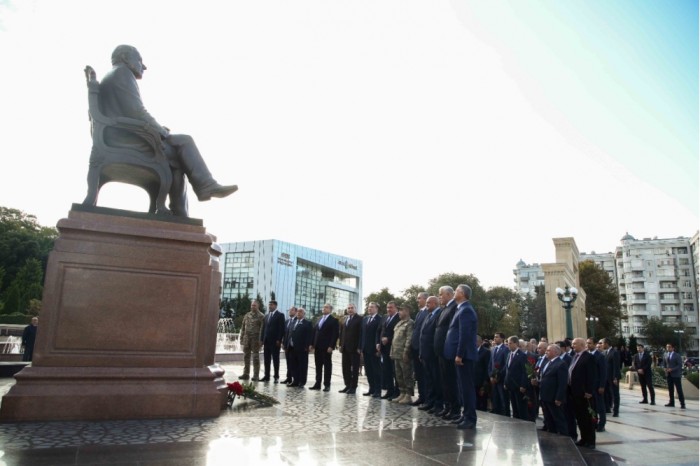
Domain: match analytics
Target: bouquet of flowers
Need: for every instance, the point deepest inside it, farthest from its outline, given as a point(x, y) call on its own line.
point(496, 369)
point(592, 413)
point(530, 367)
point(247, 390)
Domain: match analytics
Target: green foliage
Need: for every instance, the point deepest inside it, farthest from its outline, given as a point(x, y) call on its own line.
point(602, 299)
point(622, 342)
point(16, 319)
point(632, 346)
point(533, 315)
point(410, 297)
point(658, 334)
point(693, 378)
point(12, 301)
point(504, 308)
point(659, 378)
point(382, 298)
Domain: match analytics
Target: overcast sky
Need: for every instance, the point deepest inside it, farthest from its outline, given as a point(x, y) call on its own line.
point(421, 137)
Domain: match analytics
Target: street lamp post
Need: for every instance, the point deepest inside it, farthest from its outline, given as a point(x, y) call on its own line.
point(568, 296)
point(591, 325)
point(679, 333)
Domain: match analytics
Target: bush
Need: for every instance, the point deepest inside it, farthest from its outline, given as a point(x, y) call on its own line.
point(659, 377)
point(16, 318)
point(693, 378)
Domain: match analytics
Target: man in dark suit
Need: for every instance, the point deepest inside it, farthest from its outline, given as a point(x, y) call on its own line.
point(285, 343)
point(460, 347)
point(673, 366)
point(535, 381)
point(601, 380)
point(516, 381)
point(448, 372)
point(273, 334)
point(642, 364)
point(120, 97)
point(553, 381)
point(350, 333)
point(428, 357)
point(565, 346)
point(481, 373)
point(385, 339)
point(369, 341)
point(582, 385)
point(323, 342)
point(415, 350)
point(300, 342)
point(612, 386)
point(497, 372)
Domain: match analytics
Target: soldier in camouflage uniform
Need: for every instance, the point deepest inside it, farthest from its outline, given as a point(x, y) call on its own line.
point(401, 354)
point(251, 335)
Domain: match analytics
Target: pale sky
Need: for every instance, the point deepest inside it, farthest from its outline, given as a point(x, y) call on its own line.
point(421, 137)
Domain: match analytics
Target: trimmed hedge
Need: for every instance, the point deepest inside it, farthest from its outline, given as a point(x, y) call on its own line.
point(693, 378)
point(17, 319)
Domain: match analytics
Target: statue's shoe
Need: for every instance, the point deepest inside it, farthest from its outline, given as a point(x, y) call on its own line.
point(216, 190)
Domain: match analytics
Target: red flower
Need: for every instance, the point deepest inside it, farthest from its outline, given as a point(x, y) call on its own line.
point(531, 360)
point(497, 366)
point(236, 388)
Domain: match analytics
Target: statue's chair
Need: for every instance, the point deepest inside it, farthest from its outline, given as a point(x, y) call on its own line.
point(148, 170)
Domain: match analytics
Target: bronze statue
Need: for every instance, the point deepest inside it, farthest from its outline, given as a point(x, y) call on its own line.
point(121, 124)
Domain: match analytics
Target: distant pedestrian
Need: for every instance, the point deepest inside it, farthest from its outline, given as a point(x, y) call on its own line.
point(28, 339)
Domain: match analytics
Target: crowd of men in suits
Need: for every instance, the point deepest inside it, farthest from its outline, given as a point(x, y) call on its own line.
point(574, 382)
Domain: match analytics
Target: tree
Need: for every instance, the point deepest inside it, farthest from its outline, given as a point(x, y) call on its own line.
point(382, 298)
point(632, 344)
point(501, 300)
point(658, 334)
point(602, 299)
point(410, 296)
point(510, 324)
point(533, 315)
point(479, 299)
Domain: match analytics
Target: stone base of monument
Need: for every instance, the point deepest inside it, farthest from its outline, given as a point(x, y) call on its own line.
point(128, 323)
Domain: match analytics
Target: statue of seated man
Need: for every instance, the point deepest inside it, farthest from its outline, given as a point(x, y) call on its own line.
point(120, 97)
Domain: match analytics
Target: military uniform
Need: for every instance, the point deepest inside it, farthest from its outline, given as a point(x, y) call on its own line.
point(251, 337)
point(401, 354)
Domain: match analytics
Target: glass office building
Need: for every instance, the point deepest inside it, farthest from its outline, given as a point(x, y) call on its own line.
point(297, 275)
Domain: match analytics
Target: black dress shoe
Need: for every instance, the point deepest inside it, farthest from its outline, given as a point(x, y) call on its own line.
point(653, 403)
point(327, 389)
point(434, 410)
point(367, 394)
point(285, 381)
point(452, 416)
point(425, 407)
point(243, 377)
point(293, 384)
point(265, 379)
point(643, 402)
point(682, 406)
point(345, 390)
point(458, 421)
point(215, 190)
point(315, 387)
point(616, 414)
point(385, 397)
point(376, 395)
point(670, 405)
point(600, 429)
point(466, 425)
point(581, 443)
point(300, 386)
point(418, 402)
point(277, 380)
point(350, 392)
point(444, 412)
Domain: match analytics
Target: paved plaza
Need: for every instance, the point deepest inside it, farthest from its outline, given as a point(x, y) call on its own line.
point(317, 428)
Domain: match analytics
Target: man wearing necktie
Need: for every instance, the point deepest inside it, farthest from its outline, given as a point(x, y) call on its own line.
point(448, 373)
point(612, 386)
point(516, 381)
point(497, 371)
point(541, 359)
point(673, 364)
point(350, 349)
point(285, 343)
point(369, 341)
point(582, 384)
point(323, 342)
point(553, 381)
point(415, 342)
point(429, 359)
point(600, 382)
point(642, 364)
point(300, 341)
point(386, 339)
point(273, 334)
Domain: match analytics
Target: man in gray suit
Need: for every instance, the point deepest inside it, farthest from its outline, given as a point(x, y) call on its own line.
point(673, 364)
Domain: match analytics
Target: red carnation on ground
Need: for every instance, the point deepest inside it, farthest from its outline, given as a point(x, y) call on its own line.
point(236, 388)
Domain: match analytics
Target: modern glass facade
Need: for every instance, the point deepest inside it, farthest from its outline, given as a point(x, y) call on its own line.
point(297, 275)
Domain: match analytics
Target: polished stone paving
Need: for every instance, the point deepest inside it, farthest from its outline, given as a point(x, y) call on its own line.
point(313, 427)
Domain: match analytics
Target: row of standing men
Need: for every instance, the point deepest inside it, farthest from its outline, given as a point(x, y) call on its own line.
point(437, 352)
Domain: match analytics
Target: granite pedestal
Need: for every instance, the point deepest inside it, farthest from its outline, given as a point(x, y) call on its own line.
point(128, 325)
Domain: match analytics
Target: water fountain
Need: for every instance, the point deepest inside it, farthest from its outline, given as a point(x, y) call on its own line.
point(228, 342)
point(11, 345)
